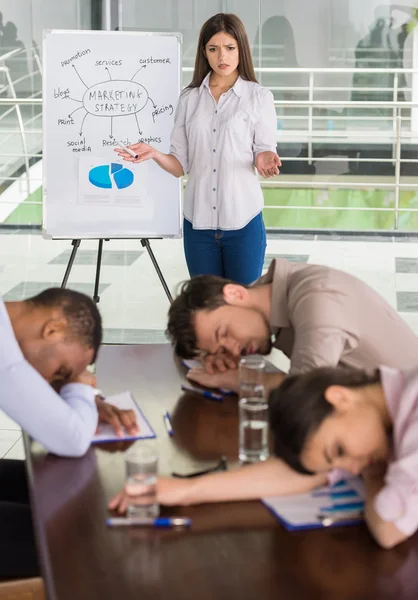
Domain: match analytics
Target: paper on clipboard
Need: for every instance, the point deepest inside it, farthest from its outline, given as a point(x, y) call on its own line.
point(124, 401)
point(300, 511)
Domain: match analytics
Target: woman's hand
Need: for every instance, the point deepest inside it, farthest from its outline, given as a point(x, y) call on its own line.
point(144, 152)
point(170, 492)
point(268, 163)
point(168, 162)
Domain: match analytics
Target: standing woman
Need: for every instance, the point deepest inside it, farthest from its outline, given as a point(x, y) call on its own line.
point(224, 132)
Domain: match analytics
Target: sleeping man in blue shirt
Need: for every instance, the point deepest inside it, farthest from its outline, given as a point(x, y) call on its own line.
point(46, 343)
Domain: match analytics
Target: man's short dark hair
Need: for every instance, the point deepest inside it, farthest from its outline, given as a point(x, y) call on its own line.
point(204, 292)
point(298, 407)
point(81, 313)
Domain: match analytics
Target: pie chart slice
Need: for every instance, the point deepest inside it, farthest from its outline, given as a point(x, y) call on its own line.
point(108, 176)
point(99, 176)
point(123, 178)
point(115, 167)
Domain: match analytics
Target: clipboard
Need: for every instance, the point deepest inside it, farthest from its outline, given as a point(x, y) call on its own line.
point(344, 502)
point(124, 401)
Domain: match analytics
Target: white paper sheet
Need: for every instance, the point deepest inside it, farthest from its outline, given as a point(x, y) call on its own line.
point(124, 401)
point(300, 511)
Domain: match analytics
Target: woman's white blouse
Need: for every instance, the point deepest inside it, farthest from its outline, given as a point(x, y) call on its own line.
point(216, 144)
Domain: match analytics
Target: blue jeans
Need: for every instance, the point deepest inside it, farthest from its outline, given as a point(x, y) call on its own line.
point(236, 255)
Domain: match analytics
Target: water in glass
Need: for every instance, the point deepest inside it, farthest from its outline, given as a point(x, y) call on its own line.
point(253, 430)
point(141, 482)
point(251, 376)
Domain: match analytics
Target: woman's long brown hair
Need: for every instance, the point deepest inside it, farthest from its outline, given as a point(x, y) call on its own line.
point(233, 26)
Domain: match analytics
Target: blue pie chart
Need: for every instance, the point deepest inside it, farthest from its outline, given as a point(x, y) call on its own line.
point(109, 176)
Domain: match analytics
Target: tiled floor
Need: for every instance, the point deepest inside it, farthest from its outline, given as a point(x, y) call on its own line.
point(114, 258)
point(297, 258)
point(11, 445)
point(26, 289)
point(133, 302)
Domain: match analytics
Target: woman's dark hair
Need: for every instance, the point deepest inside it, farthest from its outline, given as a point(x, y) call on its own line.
point(233, 26)
point(298, 407)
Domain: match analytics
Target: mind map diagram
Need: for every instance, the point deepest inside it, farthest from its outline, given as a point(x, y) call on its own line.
point(113, 98)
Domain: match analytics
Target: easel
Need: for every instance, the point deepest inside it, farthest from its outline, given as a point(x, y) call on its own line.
point(144, 243)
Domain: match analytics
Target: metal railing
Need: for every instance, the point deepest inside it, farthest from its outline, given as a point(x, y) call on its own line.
point(306, 128)
point(15, 104)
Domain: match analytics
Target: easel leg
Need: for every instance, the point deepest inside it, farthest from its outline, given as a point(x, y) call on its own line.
point(145, 243)
point(96, 296)
point(76, 245)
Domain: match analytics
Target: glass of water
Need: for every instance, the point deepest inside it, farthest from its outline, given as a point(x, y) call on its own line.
point(141, 464)
point(251, 376)
point(253, 430)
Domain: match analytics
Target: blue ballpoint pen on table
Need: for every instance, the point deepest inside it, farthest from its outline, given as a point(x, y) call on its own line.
point(339, 484)
point(192, 363)
point(144, 522)
point(336, 495)
point(350, 506)
point(167, 422)
point(201, 392)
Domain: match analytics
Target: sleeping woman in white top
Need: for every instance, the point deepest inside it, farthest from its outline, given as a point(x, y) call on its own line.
point(327, 424)
point(224, 135)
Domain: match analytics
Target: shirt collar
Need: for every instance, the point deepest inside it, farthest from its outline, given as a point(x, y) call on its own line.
point(205, 83)
point(278, 276)
point(237, 87)
point(392, 383)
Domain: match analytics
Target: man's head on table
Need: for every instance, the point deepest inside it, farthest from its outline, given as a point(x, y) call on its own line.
point(212, 314)
point(330, 418)
point(59, 332)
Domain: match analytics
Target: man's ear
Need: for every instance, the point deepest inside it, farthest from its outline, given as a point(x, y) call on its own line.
point(340, 397)
point(235, 294)
point(54, 330)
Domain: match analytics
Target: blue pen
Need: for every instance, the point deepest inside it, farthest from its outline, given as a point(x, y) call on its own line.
point(193, 364)
point(227, 392)
point(159, 522)
point(343, 507)
point(167, 423)
point(204, 393)
point(339, 483)
point(336, 495)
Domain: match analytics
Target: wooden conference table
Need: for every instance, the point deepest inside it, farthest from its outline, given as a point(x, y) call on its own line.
point(233, 550)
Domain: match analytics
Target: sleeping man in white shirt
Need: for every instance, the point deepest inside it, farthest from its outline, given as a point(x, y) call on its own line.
point(46, 343)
